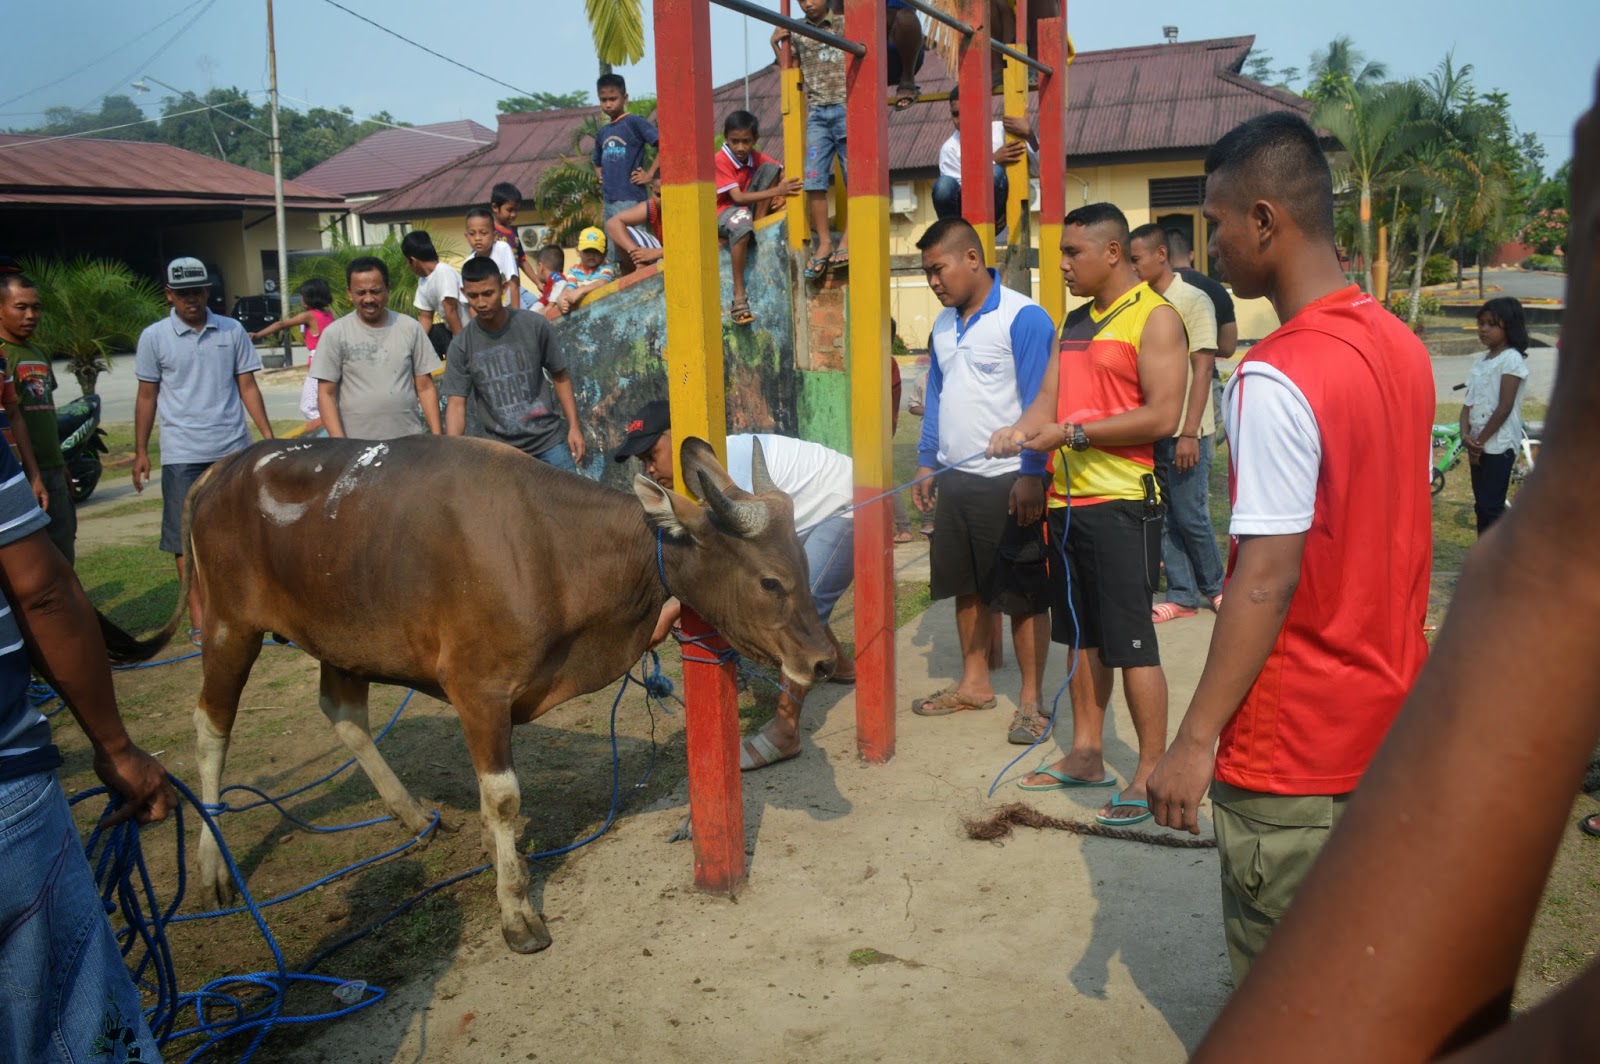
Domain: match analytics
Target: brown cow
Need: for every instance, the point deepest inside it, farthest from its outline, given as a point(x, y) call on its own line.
point(473, 573)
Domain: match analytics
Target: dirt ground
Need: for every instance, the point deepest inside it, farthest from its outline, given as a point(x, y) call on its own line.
point(870, 928)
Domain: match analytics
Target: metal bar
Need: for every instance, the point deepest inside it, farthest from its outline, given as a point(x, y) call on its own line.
point(940, 16)
point(1011, 53)
point(793, 25)
point(867, 125)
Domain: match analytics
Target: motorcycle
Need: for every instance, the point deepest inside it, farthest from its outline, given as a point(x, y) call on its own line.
point(82, 444)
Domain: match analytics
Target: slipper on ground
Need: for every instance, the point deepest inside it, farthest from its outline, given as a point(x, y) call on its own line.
point(1064, 781)
point(758, 752)
point(1125, 821)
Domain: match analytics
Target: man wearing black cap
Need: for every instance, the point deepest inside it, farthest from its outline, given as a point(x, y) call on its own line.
point(198, 371)
point(821, 483)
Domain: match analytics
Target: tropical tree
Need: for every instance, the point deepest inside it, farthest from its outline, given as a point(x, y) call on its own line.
point(1340, 66)
point(568, 194)
point(543, 101)
point(331, 268)
point(618, 30)
point(1377, 128)
point(90, 308)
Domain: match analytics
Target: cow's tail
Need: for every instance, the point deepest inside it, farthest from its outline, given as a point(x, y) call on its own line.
point(125, 648)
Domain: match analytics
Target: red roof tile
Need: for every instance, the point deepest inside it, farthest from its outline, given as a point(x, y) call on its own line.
point(1122, 101)
point(130, 173)
point(390, 158)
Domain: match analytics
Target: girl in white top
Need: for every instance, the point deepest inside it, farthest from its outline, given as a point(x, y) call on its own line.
point(1491, 420)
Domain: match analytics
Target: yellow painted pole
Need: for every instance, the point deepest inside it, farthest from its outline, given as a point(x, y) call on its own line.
point(1014, 104)
point(794, 140)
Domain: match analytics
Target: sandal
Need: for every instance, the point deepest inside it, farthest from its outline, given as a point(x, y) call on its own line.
point(1170, 611)
point(739, 312)
point(906, 95)
point(194, 636)
point(1216, 602)
point(817, 266)
point(1119, 802)
point(839, 259)
point(943, 703)
point(1590, 825)
point(1028, 726)
point(903, 535)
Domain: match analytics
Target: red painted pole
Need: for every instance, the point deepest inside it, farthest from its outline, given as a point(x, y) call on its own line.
point(975, 76)
point(695, 390)
point(867, 127)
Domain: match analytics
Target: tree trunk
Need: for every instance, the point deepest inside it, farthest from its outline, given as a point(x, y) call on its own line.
point(1481, 256)
point(1415, 310)
point(87, 370)
point(1366, 235)
point(605, 68)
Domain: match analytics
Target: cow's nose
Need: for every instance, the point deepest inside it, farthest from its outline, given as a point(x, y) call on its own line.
point(822, 669)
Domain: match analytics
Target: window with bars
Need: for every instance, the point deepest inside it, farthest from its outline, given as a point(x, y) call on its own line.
point(1177, 191)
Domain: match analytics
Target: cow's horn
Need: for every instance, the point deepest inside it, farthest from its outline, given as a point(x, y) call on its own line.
point(743, 519)
point(760, 479)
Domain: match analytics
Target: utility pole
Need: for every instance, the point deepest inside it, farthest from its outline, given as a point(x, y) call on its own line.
point(277, 192)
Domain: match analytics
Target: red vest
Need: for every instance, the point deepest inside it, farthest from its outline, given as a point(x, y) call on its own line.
point(1352, 644)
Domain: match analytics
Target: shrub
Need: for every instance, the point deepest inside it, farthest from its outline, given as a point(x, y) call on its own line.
point(1400, 305)
point(1546, 231)
point(1438, 269)
point(1543, 262)
point(90, 308)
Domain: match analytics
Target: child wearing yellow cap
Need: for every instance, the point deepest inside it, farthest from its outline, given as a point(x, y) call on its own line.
point(592, 271)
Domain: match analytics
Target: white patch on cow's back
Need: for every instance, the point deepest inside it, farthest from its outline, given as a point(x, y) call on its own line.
point(352, 473)
point(278, 512)
point(318, 469)
point(264, 459)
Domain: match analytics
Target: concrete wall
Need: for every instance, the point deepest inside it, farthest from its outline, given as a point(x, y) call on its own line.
point(616, 342)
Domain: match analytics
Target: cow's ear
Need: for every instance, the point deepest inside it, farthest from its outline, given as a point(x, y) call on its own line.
point(666, 510)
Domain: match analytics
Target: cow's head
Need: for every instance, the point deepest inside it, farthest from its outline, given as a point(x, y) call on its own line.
point(743, 571)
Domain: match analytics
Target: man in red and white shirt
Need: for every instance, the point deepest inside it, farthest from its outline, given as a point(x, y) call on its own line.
point(749, 185)
point(1320, 636)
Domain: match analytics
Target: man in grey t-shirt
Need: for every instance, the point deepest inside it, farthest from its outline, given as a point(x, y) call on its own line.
point(373, 365)
point(510, 366)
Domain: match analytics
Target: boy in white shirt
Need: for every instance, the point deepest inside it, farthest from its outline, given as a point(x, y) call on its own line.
point(480, 235)
point(441, 310)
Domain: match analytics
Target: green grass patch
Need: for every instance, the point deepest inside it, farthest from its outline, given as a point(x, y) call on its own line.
point(135, 586)
point(119, 439)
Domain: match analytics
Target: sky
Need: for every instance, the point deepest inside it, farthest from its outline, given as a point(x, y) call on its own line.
point(1543, 53)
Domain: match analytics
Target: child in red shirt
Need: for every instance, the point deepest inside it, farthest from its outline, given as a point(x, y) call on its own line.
point(749, 186)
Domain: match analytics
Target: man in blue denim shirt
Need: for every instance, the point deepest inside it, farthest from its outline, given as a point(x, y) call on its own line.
point(63, 986)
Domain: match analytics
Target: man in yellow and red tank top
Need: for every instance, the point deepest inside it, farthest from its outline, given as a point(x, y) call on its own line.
point(1320, 635)
point(1113, 388)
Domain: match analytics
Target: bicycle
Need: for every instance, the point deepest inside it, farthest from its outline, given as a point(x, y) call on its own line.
point(1448, 447)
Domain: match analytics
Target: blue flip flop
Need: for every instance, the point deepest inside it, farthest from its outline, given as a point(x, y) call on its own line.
point(1066, 782)
point(1125, 821)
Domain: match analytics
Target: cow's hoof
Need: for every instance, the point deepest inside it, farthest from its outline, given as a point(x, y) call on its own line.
point(524, 936)
point(217, 892)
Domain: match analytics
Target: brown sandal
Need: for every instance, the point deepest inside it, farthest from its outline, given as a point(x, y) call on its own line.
point(943, 703)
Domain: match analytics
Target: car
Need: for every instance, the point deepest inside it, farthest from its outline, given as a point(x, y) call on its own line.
point(255, 312)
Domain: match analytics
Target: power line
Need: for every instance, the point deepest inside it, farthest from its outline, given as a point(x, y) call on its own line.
point(108, 129)
point(159, 52)
point(425, 48)
point(391, 125)
point(93, 62)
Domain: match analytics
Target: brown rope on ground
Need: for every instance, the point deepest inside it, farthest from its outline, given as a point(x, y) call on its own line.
point(1019, 814)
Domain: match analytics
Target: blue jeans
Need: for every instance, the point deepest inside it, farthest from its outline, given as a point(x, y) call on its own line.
point(947, 196)
point(830, 559)
point(825, 138)
point(558, 455)
point(1189, 546)
point(64, 993)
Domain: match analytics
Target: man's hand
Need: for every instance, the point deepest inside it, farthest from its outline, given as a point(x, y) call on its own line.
point(1187, 455)
point(638, 176)
point(1017, 126)
point(1179, 783)
point(1010, 152)
point(141, 471)
point(923, 491)
point(1027, 499)
point(671, 610)
point(40, 492)
point(575, 443)
point(791, 187)
point(645, 256)
point(1006, 442)
point(140, 779)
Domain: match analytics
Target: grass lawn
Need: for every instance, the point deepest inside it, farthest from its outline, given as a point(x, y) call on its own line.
point(119, 439)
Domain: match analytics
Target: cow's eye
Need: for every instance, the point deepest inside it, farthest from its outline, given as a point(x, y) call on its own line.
point(769, 584)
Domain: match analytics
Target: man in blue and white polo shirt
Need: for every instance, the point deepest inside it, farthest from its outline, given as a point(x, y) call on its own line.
point(987, 355)
point(67, 994)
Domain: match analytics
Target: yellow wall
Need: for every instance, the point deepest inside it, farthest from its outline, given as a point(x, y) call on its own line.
point(236, 251)
point(1127, 185)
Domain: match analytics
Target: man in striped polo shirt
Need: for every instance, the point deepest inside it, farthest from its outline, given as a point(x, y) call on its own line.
point(987, 354)
point(1114, 388)
point(68, 991)
point(1329, 418)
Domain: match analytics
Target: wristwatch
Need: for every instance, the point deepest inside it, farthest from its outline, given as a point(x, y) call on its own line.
point(1074, 436)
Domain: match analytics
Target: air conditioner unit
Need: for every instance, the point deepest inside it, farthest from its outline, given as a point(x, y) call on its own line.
point(1033, 195)
point(534, 237)
point(902, 198)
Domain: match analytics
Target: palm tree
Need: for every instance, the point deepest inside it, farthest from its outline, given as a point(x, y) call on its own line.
point(1339, 65)
point(331, 268)
point(618, 30)
point(90, 308)
point(568, 194)
point(1377, 127)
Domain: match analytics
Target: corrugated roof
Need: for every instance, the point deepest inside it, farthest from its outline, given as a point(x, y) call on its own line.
point(1122, 101)
point(116, 173)
point(390, 158)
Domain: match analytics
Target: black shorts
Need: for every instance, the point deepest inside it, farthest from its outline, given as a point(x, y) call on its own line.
point(176, 480)
point(979, 549)
point(1113, 563)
